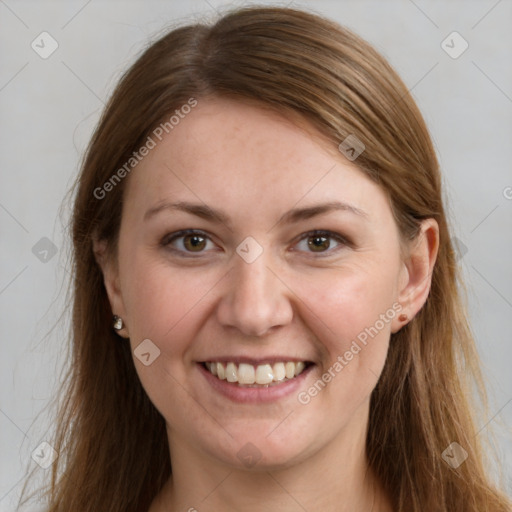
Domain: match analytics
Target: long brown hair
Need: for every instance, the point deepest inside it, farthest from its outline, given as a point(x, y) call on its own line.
point(297, 62)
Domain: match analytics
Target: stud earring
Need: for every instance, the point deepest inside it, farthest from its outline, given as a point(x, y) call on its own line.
point(403, 317)
point(118, 323)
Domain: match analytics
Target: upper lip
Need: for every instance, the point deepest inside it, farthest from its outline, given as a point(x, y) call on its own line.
point(255, 360)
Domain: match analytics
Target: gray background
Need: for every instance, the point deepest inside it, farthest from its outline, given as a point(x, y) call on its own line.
point(49, 107)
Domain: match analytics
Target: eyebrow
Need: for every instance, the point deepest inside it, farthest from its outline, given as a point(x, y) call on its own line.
point(294, 215)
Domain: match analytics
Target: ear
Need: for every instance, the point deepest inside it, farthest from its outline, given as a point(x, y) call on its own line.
point(416, 275)
point(110, 271)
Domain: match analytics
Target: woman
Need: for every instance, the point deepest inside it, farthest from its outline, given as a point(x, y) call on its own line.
point(266, 312)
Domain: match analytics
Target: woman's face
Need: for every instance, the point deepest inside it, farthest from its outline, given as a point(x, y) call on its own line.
point(294, 258)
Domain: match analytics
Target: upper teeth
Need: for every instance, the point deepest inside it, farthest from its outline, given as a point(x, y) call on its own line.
point(261, 374)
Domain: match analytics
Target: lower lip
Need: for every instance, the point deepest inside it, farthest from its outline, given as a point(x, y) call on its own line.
point(241, 394)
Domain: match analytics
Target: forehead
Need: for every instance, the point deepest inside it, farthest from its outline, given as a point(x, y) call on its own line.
point(226, 152)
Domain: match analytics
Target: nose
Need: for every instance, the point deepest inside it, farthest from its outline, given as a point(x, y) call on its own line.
point(255, 299)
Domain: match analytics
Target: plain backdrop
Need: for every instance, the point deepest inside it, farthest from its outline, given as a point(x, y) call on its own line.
point(50, 105)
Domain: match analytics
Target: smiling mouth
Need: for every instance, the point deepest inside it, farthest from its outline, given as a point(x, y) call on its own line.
point(254, 376)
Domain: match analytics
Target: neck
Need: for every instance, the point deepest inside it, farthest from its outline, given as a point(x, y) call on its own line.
point(336, 478)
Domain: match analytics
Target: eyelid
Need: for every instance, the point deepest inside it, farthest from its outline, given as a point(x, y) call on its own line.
point(171, 237)
point(343, 241)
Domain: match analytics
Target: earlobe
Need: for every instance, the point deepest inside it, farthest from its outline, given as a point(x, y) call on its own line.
point(110, 273)
point(416, 279)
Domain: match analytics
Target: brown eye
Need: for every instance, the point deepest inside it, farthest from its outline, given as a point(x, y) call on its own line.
point(185, 243)
point(321, 243)
point(194, 243)
point(318, 243)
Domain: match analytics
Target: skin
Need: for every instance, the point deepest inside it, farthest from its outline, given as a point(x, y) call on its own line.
point(292, 300)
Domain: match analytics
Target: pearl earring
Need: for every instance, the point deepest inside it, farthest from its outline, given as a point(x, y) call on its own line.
point(118, 323)
point(402, 317)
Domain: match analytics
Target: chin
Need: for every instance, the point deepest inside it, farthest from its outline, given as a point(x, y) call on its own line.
point(257, 451)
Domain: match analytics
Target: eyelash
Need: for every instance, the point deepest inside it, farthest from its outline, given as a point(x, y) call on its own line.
point(168, 239)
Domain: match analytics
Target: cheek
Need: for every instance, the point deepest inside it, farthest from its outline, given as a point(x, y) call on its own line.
point(161, 300)
point(352, 312)
point(163, 305)
point(349, 301)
